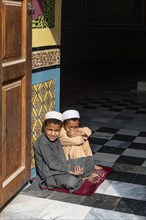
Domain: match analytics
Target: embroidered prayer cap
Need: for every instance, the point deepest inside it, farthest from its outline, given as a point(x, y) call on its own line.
point(68, 114)
point(54, 115)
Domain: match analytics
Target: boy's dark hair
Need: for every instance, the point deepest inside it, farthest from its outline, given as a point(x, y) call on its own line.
point(51, 120)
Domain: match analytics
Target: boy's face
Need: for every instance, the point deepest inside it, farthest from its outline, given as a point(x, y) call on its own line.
point(52, 131)
point(71, 125)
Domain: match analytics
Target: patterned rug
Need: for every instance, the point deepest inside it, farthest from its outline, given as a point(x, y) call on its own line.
point(89, 187)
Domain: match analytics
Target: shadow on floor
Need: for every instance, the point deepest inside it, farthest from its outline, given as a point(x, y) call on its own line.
point(78, 82)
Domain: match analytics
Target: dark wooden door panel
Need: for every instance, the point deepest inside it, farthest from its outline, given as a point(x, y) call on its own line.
point(15, 97)
point(12, 29)
point(12, 128)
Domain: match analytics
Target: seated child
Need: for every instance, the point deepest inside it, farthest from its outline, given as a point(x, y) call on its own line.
point(74, 139)
point(53, 170)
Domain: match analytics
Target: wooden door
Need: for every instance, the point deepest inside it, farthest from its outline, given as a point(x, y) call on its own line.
point(15, 96)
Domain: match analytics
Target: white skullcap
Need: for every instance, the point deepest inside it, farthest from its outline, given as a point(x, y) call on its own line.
point(70, 114)
point(54, 115)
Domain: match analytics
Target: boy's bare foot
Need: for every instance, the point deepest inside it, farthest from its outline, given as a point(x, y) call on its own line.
point(96, 167)
point(92, 176)
point(85, 178)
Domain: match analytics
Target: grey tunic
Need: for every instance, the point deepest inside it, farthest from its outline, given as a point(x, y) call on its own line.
point(53, 168)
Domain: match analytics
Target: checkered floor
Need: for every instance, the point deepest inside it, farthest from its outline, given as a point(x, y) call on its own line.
point(117, 118)
point(118, 140)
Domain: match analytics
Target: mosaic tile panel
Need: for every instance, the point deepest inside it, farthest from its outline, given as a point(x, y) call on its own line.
point(49, 12)
point(43, 100)
point(47, 17)
point(45, 58)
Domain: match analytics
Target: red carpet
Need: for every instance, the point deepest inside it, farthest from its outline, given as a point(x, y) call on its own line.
point(89, 187)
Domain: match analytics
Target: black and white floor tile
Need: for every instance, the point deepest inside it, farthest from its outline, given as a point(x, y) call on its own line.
point(118, 123)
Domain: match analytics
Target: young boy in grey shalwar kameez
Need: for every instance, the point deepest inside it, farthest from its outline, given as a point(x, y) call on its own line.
point(52, 168)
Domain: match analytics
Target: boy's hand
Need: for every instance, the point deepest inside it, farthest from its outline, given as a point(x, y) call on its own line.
point(74, 133)
point(77, 171)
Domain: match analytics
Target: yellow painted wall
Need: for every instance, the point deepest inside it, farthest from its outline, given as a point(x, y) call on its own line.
point(49, 36)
